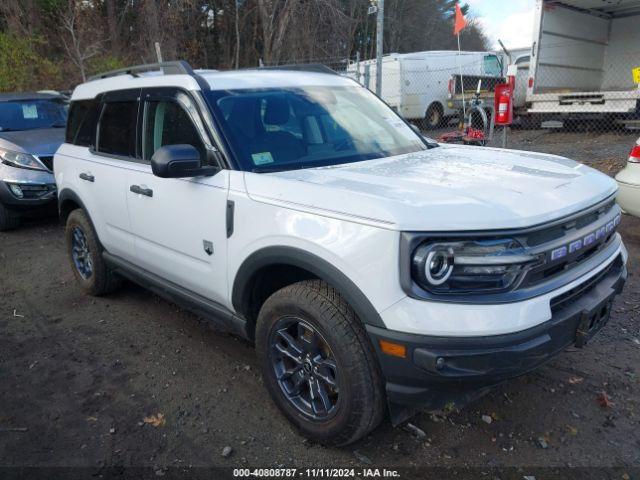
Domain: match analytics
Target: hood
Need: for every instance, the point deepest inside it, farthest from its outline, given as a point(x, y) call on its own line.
point(450, 188)
point(39, 141)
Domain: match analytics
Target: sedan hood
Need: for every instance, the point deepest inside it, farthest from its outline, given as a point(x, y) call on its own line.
point(39, 141)
point(450, 188)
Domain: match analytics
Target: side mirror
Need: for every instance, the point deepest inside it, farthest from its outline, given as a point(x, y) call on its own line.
point(179, 161)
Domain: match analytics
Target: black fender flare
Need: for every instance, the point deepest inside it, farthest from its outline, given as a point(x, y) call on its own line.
point(295, 257)
point(68, 194)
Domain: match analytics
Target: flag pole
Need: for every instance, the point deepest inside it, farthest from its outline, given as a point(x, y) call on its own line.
point(464, 106)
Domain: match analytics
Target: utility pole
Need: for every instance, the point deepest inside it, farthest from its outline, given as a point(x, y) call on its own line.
point(379, 47)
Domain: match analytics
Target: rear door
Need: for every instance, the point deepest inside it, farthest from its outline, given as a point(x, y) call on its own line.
point(179, 223)
point(100, 147)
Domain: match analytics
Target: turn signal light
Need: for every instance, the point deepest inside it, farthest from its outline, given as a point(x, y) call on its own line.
point(634, 156)
point(393, 349)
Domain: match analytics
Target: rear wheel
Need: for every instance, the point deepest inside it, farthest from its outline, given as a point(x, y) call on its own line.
point(85, 256)
point(318, 364)
point(434, 117)
point(8, 219)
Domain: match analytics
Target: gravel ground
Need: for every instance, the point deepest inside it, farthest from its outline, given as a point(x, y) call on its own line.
point(131, 380)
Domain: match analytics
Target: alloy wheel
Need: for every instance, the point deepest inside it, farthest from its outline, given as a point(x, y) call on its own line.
point(305, 368)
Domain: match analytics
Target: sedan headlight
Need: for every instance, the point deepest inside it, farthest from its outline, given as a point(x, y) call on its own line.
point(470, 266)
point(20, 160)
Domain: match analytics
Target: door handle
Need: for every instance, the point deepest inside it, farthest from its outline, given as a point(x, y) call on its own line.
point(147, 192)
point(88, 177)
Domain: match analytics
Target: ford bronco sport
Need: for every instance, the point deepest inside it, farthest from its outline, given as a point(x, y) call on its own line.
point(376, 271)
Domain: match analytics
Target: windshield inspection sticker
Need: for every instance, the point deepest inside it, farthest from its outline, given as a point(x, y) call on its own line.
point(636, 75)
point(29, 111)
point(262, 158)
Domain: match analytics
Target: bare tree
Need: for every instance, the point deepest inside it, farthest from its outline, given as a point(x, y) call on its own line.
point(75, 35)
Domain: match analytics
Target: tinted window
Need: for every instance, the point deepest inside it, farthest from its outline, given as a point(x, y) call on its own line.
point(32, 114)
point(81, 126)
point(117, 130)
point(167, 123)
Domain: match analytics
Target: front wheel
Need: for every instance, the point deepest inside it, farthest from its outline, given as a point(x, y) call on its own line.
point(318, 364)
point(8, 219)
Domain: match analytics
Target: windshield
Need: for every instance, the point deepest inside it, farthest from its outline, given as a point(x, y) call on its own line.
point(293, 128)
point(30, 114)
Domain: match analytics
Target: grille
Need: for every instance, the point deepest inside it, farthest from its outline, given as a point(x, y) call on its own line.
point(560, 237)
point(47, 162)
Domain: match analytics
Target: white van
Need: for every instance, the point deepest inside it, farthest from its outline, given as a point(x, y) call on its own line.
point(417, 84)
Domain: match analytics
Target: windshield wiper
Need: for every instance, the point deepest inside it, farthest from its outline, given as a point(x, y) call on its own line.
point(59, 125)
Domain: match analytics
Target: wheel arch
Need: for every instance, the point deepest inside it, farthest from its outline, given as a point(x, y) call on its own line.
point(68, 201)
point(298, 265)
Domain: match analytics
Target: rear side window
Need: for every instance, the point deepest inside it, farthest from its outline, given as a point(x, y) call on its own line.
point(81, 126)
point(117, 129)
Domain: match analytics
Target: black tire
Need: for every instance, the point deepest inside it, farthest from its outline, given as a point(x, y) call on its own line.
point(359, 398)
point(8, 219)
point(98, 279)
point(434, 118)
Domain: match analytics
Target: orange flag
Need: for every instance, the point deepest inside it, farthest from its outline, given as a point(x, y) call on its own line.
point(460, 21)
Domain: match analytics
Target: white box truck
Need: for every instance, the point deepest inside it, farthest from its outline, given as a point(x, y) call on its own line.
point(582, 59)
point(417, 84)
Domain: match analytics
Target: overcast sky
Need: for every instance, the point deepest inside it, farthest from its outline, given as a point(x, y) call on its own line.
point(508, 20)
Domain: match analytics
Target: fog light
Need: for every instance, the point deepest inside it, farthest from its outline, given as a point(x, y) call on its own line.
point(16, 190)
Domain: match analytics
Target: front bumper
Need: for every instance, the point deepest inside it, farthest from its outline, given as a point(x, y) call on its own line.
point(439, 372)
point(38, 188)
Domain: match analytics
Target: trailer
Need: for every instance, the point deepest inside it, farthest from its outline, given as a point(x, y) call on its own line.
point(583, 58)
point(416, 84)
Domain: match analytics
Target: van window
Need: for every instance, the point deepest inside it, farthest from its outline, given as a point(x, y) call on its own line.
point(167, 123)
point(117, 129)
point(492, 66)
point(81, 126)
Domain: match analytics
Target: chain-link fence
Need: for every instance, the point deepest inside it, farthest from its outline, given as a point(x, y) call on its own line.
point(560, 87)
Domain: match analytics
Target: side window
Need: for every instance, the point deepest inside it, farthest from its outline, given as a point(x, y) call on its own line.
point(167, 123)
point(81, 126)
point(117, 129)
point(492, 66)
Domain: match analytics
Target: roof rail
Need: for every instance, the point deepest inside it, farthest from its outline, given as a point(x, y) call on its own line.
point(308, 67)
point(178, 67)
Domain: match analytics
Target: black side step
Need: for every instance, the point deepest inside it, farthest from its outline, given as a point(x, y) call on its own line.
point(220, 316)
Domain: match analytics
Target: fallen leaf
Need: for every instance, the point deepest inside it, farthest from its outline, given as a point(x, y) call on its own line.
point(604, 401)
point(155, 420)
point(92, 419)
point(575, 380)
point(572, 430)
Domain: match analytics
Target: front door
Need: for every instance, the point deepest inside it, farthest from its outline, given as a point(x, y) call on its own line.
point(179, 224)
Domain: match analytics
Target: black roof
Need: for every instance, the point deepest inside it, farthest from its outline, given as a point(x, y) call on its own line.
point(16, 96)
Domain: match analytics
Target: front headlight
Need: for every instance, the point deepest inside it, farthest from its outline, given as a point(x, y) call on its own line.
point(20, 160)
point(470, 266)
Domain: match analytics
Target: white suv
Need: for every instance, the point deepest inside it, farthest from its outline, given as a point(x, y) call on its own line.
point(375, 270)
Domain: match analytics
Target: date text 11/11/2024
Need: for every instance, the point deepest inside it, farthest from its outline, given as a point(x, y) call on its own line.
point(315, 473)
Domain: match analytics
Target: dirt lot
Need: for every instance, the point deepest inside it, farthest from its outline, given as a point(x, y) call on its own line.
point(79, 375)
